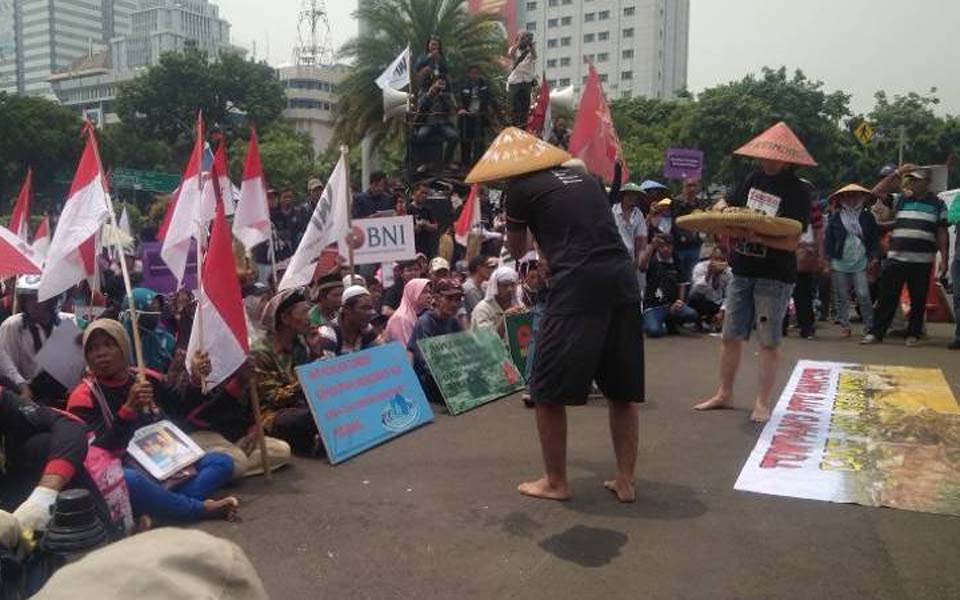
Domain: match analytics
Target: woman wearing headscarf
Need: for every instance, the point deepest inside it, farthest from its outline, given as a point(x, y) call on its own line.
point(158, 344)
point(500, 301)
point(416, 299)
point(114, 404)
point(852, 243)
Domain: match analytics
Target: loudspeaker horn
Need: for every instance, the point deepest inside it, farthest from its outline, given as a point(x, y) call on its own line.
point(395, 103)
point(563, 99)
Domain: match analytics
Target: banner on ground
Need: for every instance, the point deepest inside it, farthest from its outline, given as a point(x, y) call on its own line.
point(868, 434)
point(471, 368)
point(384, 240)
point(683, 163)
point(364, 399)
point(519, 335)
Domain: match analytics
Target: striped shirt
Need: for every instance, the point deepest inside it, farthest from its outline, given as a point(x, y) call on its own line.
point(914, 237)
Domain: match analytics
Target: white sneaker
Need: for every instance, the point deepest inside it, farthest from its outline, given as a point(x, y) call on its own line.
point(869, 339)
point(912, 341)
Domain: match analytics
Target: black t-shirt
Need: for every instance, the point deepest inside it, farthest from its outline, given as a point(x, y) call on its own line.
point(783, 195)
point(425, 241)
point(568, 213)
point(683, 239)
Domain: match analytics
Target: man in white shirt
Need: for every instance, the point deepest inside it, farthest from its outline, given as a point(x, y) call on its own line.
point(708, 290)
point(632, 226)
point(523, 72)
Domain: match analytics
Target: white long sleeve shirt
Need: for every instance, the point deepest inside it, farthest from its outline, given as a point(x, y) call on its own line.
point(18, 359)
point(714, 288)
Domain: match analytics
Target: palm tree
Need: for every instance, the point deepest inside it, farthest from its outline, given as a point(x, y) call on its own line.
point(467, 40)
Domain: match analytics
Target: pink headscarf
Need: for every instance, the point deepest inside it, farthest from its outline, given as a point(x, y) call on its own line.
point(401, 323)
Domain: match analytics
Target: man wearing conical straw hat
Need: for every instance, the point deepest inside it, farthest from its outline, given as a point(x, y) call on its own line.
point(592, 329)
point(764, 267)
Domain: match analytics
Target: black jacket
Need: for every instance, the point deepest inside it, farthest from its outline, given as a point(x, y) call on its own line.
point(487, 100)
point(836, 235)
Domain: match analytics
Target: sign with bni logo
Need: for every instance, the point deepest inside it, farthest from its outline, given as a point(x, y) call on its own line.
point(363, 399)
point(383, 240)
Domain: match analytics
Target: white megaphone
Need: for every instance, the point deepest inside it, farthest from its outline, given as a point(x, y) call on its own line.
point(395, 103)
point(563, 99)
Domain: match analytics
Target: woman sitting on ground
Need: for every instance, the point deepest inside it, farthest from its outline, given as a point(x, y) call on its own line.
point(114, 404)
point(417, 298)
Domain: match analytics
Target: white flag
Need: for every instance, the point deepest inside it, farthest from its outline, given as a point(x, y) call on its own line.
point(397, 75)
point(125, 221)
point(328, 225)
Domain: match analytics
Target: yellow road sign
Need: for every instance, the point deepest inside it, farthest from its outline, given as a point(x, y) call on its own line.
point(864, 132)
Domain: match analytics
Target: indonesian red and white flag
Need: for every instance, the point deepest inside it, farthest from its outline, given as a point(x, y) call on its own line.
point(251, 221)
point(469, 219)
point(220, 326)
point(594, 139)
point(182, 225)
point(20, 219)
point(72, 252)
point(41, 239)
point(328, 225)
point(208, 205)
point(541, 119)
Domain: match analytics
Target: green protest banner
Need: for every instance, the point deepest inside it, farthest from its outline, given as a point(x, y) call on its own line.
point(471, 368)
point(519, 336)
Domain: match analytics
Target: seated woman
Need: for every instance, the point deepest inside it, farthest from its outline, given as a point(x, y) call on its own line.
point(417, 298)
point(499, 302)
point(114, 404)
point(158, 344)
point(44, 450)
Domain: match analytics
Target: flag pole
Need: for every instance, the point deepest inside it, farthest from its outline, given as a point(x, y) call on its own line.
point(346, 167)
point(137, 343)
point(258, 425)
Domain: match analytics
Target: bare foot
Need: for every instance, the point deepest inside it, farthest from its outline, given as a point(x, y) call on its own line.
point(224, 508)
point(542, 489)
point(624, 491)
point(714, 403)
point(760, 414)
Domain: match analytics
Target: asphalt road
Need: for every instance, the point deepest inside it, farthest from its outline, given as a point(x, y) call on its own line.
point(435, 514)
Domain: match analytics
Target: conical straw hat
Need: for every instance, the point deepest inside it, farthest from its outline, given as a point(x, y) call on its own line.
point(515, 152)
point(778, 143)
point(852, 188)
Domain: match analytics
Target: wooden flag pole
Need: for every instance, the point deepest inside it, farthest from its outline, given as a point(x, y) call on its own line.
point(258, 424)
point(346, 167)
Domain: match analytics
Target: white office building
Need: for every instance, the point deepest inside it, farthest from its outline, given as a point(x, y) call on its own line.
point(312, 99)
point(40, 37)
point(160, 26)
point(639, 47)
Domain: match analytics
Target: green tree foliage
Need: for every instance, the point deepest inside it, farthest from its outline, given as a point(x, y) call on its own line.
point(38, 133)
point(287, 158)
point(467, 40)
point(162, 103)
point(722, 118)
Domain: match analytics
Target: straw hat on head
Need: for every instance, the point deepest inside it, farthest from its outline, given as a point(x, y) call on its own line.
point(516, 152)
point(778, 143)
point(851, 188)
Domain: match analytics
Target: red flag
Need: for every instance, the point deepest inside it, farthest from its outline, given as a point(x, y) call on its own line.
point(72, 251)
point(162, 232)
point(41, 239)
point(20, 219)
point(181, 226)
point(251, 221)
point(469, 218)
point(220, 307)
point(539, 123)
point(594, 139)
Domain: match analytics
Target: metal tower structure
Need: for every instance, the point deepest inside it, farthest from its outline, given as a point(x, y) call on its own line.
point(313, 31)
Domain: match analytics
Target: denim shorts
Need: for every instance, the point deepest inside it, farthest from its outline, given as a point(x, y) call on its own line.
point(752, 301)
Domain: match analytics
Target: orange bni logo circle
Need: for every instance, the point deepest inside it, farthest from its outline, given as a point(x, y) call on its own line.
point(355, 237)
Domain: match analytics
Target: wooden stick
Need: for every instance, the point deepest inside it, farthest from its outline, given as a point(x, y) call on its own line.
point(137, 343)
point(346, 167)
point(258, 424)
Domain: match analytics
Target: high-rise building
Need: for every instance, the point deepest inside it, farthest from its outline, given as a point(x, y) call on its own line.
point(160, 26)
point(639, 47)
point(312, 99)
point(41, 37)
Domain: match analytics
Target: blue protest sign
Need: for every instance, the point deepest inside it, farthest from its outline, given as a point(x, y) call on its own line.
point(363, 399)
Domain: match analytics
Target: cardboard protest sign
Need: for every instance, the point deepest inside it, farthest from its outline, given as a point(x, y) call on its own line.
point(363, 399)
point(519, 335)
point(471, 368)
point(875, 435)
point(384, 240)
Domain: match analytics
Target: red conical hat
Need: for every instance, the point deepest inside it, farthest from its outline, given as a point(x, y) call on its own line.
point(778, 143)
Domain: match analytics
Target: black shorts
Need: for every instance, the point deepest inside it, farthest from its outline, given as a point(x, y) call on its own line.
point(574, 350)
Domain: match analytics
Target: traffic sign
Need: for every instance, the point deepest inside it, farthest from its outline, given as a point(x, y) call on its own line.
point(864, 132)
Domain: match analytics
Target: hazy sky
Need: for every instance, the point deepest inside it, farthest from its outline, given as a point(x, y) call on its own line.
point(859, 46)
